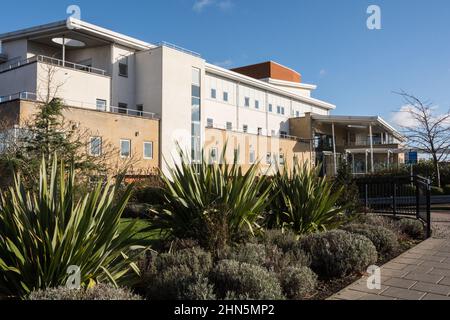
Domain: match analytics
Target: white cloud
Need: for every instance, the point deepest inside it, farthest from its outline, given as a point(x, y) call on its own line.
point(403, 118)
point(322, 72)
point(223, 5)
point(224, 64)
point(199, 5)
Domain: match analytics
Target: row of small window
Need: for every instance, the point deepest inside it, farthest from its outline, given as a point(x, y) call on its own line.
point(280, 109)
point(96, 148)
point(229, 127)
point(270, 158)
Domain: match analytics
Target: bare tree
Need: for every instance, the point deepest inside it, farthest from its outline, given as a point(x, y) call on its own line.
point(429, 132)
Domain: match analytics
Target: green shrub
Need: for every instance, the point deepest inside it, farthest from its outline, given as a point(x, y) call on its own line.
point(99, 292)
point(43, 233)
point(179, 275)
point(298, 282)
point(304, 202)
point(385, 240)
point(233, 279)
point(213, 204)
point(436, 191)
point(268, 256)
point(286, 240)
point(446, 189)
point(338, 253)
point(412, 228)
point(251, 253)
point(376, 220)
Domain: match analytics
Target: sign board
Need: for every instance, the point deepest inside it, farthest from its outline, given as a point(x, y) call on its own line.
point(412, 157)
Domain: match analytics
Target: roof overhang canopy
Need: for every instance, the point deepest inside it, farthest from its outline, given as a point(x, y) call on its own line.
point(91, 35)
point(359, 122)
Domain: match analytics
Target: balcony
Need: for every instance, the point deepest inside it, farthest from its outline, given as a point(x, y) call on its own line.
point(53, 62)
point(83, 105)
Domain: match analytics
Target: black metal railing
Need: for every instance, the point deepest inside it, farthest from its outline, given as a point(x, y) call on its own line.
point(398, 196)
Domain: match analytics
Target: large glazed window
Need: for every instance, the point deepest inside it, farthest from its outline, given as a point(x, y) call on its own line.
point(196, 115)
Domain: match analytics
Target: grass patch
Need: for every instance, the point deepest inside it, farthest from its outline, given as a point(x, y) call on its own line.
point(149, 237)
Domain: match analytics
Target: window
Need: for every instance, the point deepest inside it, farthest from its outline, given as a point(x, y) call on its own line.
point(282, 110)
point(270, 108)
point(225, 96)
point(245, 128)
point(259, 131)
point(273, 133)
point(195, 115)
point(213, 93)
point(125, 148)
point(139, 110)
point(297, 114)
point(252, 157)
point(229, 126)
point(213, 155)
point(268, 158)
point(256, 104)
point(281, 159)
point(278, 109)
point(123, 66)
point(100, 104)
point(123, 108)
point(148, 150)
point(96, 146)
point(283, 134)
point(209, 123)
point(247, 102)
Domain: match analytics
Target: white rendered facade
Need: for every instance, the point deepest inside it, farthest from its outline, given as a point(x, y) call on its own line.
point(138, 77)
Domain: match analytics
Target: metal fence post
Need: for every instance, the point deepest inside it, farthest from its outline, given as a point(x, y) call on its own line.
point(417, 186)
point(394, 198)
point(428, 208)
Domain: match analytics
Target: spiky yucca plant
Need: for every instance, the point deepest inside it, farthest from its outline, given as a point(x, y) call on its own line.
point(43, 233)
point(212, 203)
point(304, 201)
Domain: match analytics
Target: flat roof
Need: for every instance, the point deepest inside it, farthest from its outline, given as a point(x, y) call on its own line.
point(358, 120)
point(75, 25)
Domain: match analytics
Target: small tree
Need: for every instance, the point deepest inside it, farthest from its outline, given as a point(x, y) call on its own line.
point(429, 131)
point(345, 181)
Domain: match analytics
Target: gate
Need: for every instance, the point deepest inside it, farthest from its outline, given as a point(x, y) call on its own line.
point(397, 196)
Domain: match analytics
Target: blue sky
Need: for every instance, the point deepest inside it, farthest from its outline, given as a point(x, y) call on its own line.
point(326, 40)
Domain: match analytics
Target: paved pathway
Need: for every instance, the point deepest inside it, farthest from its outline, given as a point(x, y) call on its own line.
point(422, 273)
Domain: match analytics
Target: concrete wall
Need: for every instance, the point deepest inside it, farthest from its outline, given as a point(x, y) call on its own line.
point(235, 111)
point(19, 80)
point(176, 113)
point(15, 49)
point(77, 88)
point(149, 80)
point(123, 88)
point(100, 57)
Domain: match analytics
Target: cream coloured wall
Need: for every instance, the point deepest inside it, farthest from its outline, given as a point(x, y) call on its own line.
point(123, 88)
point(77, 88)
point(262, 147)
point(110, 127)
